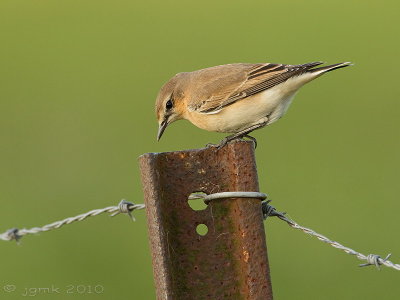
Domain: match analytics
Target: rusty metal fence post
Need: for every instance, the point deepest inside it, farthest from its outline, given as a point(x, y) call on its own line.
point(230, 261)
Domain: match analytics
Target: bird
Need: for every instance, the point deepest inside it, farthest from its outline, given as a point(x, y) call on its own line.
point(234, 98)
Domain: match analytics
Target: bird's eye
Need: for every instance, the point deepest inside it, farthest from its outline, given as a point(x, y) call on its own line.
point(168, 105)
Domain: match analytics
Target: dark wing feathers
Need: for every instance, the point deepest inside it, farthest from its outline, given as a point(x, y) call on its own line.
point(265, 68)
point(287, 71)
point(258, 78)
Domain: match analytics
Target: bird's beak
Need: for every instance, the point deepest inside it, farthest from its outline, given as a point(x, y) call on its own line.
point(161, 128)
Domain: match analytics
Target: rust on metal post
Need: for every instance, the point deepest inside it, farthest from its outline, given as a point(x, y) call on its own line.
point(230, 261)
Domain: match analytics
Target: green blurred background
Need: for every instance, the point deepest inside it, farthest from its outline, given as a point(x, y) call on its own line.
point(78, 81)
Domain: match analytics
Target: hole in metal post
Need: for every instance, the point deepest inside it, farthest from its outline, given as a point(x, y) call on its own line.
point(196, 201)
point(202, 229)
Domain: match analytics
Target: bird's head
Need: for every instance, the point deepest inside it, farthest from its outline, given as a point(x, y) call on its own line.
point(169, 103)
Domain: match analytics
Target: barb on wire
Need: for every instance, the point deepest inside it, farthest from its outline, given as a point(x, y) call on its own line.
point(124, 207)
point(371, 259)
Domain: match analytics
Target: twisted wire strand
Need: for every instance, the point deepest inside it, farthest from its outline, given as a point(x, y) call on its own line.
point(268, 210)
point(124, 207)
point(371, 259)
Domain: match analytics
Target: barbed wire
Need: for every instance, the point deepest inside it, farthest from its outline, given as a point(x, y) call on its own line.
point(371, 259)
point(268, 210)
point(124, 207)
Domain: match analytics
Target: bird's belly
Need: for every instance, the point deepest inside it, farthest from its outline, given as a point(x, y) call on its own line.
point(245, 113)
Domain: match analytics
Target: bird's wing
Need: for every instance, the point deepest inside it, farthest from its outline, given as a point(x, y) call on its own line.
point(226, 85)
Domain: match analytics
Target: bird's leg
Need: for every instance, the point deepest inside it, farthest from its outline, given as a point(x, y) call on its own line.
point(241, 134)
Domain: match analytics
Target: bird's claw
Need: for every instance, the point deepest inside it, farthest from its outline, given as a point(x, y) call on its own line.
point(229, 139)
point(223, 143)
point(218, 146)
point(209, 145)
point(252, 139)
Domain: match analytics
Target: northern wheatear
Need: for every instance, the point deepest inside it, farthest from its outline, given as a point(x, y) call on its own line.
point(234, 98)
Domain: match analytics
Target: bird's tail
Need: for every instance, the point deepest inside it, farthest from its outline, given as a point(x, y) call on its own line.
point(325, 69)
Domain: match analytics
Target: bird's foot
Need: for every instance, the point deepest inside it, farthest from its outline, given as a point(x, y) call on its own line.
point(209, 145)
point(234, 137)
point(231, 138)
point(252, 139)
point(221, 144)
